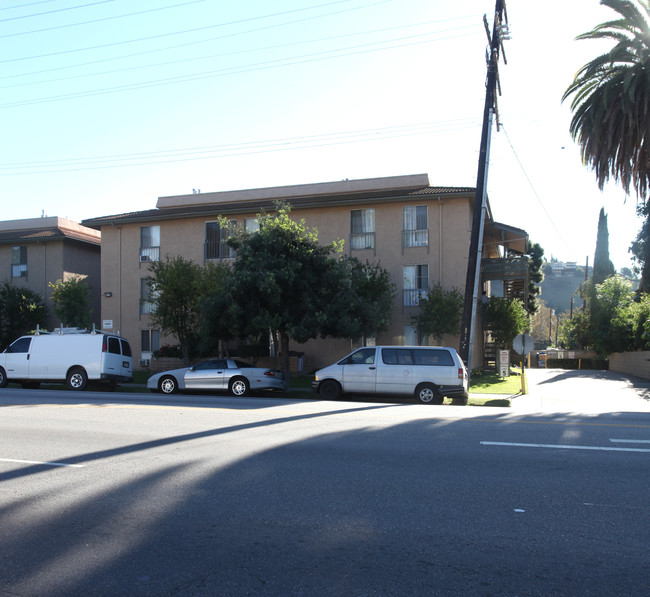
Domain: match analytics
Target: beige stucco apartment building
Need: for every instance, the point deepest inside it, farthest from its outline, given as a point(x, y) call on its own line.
point(35, 252)
point(419, 233)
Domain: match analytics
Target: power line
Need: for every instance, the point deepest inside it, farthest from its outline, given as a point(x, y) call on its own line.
point(237, 149)
point(221, 37)
point(114, 17)
point(221, 55)
point(283, 62)
point(530, 183)
point(49, 12)
point(26, 5)
point(111, 18)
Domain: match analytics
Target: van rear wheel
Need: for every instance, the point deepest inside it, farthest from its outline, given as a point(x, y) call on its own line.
point(427, 393)
point(77, 379)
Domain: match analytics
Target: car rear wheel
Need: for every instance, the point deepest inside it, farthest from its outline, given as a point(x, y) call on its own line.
point(239, 387)
point(427, 393)
point(77, 379)
point(168, 385)
point(329, 390)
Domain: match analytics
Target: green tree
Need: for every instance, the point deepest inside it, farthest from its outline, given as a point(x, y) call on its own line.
point(611, 99)
point(611, 327)
point(362, 303)
point(505, 318)
point(575, 332)
point(640, 248)
point(611, 95)
point(439, 313)
point(616, 319)
point(72, 302)
point(603, 267)
point(21, 311)
point(535, 276)
point(178, 286)
point(283, 280)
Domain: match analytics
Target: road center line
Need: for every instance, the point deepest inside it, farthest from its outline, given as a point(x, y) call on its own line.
point(42, 462)
point(630, 441)
point(565, 447)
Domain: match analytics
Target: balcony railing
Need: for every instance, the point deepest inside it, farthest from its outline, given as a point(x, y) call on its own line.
point(415, 238)
point(218, 250)
point(149, 254)
point(412, 296)
point(364, 240)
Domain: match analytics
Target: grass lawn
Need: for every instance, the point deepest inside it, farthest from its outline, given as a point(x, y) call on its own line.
point(490, 383)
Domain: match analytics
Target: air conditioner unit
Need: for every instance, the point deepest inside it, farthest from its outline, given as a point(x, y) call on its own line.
point(145, 362)
point(144, 258)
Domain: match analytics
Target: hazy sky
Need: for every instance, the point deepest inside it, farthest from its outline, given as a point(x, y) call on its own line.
point(107, 105)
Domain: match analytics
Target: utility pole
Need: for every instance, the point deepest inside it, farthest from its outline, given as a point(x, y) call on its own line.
point(499, 33)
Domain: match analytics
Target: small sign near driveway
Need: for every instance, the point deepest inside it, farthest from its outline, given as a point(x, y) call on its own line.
point(523, 344)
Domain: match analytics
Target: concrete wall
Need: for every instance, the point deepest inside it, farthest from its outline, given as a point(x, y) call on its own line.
point(631, 363)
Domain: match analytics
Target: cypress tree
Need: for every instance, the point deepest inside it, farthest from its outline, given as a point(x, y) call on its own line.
point(603, 267)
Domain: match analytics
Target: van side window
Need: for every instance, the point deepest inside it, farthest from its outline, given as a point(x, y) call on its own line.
point(20, 345)
point(114, 345)
point(365, 356)
point(126, 347)
point(397, 356)
point(432, 357)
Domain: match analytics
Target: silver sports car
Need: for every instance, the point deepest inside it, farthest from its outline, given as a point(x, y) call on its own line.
point(228, 375)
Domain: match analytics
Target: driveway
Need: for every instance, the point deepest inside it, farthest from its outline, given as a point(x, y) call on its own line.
point(559, 390)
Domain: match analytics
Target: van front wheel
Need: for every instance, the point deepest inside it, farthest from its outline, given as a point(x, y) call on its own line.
point(427, 393)
point(77, 379)
point(329, 390)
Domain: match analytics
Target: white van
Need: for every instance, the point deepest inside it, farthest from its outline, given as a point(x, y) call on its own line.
point(428, 373)
point(71, 356)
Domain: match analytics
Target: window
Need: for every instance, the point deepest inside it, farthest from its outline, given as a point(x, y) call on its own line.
point(215, 241)
point(114, 345)
point(147, 297)
point(20, 345)
point(19, 262)
point(417, 356)
point(415, 228)
point(209, 365)
point(252, 225)
point(364, 356)
point(362, 231)
point(149, 340)
point(416, 284)
point(149, 243)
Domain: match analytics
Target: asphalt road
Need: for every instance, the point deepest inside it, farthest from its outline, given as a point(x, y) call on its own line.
point(116, 494)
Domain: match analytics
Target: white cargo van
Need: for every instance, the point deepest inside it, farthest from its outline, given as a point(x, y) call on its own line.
point(67, 355)
point(427, 373)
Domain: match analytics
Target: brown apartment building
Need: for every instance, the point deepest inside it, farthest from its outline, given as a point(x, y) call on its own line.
point(38, 251)
point(419, 233)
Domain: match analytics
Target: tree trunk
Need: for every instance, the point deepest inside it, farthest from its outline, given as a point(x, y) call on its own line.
point(185, 349)
point(284, 354)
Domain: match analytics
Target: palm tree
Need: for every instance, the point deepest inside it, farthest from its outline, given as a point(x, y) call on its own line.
point(611, 100)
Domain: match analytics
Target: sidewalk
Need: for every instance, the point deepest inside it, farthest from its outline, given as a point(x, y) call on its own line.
point(558, 390)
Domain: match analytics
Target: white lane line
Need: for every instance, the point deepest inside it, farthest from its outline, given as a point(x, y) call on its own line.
point(41, 462)
point(565, 447)
point(630, 441)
